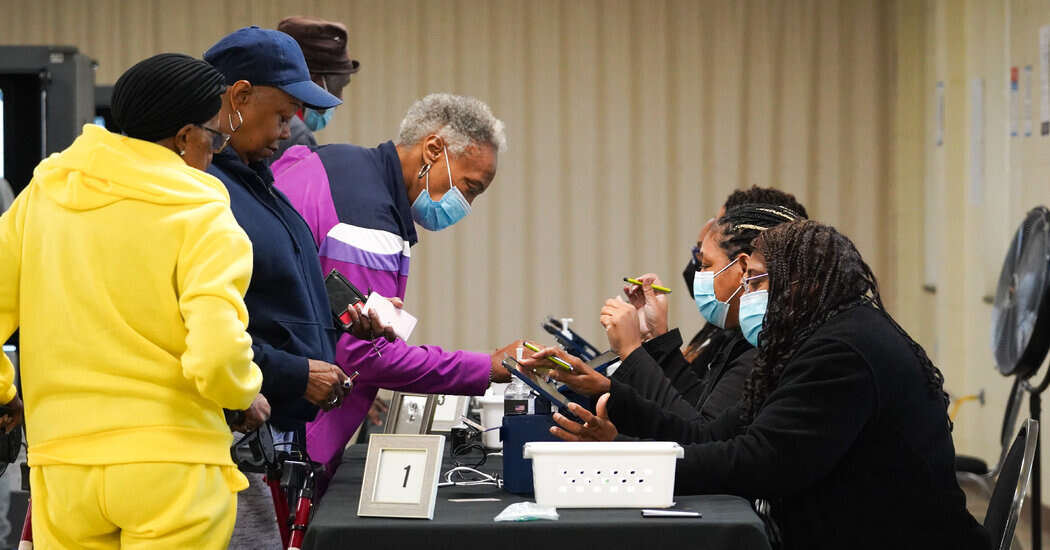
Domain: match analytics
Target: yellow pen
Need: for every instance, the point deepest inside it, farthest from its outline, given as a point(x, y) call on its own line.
point(657, 288)
point(556, 360)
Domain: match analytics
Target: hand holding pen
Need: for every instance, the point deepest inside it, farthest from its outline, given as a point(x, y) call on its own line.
point(557, 362)
point(582, 378)
point(649, 298)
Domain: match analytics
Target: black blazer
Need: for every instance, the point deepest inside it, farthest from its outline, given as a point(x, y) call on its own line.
point(852, 447)
point(659, 372)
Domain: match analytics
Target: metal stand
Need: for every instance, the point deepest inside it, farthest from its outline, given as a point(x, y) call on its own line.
point(1035, 407)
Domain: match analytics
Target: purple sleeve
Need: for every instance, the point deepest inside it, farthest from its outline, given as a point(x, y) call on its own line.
point(392, 365)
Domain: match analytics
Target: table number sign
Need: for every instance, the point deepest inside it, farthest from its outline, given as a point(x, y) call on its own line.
point(401, 476)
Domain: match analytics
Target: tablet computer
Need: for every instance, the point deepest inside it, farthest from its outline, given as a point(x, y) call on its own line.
point(542, 387)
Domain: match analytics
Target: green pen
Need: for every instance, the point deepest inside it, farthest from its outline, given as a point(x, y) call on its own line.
point(657, 288)
point(561, 364)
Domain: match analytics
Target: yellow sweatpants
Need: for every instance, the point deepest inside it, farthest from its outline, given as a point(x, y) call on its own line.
point(149, 505)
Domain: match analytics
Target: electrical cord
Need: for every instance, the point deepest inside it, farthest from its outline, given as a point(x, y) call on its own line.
point(463, 481)
point(465, 449)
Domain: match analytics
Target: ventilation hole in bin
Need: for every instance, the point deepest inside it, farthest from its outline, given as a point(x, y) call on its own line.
point(633, 472)
point(640, 480)
point(623, 480)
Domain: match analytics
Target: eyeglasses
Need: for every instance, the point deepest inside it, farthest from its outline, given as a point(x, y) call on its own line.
point(219, 140)
point(749, 286)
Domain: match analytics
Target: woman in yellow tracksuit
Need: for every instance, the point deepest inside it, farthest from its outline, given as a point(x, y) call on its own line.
point(125, 270)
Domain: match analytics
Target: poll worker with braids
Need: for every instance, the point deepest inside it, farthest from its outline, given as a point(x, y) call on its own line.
point(712, 348)
point(704, 345)
point(125, 271)
point(664, 376)
point(843, 425)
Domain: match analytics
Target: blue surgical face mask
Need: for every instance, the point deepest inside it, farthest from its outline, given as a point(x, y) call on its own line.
point(437, 215)
point(713, 309)
point(752, 314)
point(316, 120)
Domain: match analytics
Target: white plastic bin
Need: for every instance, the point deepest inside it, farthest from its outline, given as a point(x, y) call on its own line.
point(491, 417)
point(610, 474)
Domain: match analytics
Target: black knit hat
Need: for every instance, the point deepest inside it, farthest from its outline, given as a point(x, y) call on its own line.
point(155, 98)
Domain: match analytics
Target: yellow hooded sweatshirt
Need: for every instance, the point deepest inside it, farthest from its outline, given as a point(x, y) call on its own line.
point(125, 271)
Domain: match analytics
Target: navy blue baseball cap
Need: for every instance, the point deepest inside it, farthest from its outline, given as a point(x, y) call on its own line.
point(268, 58)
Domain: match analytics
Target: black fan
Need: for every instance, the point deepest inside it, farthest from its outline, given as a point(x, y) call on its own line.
point(1021, 317)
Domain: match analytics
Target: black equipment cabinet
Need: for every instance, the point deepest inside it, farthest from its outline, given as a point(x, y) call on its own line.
point(49, 94)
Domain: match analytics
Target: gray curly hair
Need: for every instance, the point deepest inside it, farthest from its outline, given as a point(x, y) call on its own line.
point(460, 120)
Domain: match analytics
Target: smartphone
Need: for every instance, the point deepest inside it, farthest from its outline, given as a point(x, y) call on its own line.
point(342, 294)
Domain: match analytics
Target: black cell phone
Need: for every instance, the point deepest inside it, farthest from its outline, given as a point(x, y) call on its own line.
point(342, 294)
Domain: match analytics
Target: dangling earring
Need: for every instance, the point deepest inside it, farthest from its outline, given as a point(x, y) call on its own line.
point(424, 170)
point(241, 118)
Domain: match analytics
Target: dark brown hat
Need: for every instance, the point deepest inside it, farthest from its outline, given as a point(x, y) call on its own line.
point(323, 42)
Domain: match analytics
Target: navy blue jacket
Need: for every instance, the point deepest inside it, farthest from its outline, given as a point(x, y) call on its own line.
point(289, 317)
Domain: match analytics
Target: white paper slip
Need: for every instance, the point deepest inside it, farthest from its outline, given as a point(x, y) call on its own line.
point(658, 513)
point(402, 321)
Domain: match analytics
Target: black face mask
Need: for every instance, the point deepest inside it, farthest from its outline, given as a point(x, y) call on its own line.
point(689, 273)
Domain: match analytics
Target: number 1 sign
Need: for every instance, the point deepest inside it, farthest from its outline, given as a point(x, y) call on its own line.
point(401, 476)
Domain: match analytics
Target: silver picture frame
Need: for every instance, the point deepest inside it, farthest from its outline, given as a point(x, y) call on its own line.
point(410, 413)
point(447, 412)
point(423, 493)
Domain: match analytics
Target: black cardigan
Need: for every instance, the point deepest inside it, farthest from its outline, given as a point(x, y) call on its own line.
point(852, 447)
point(659, 372)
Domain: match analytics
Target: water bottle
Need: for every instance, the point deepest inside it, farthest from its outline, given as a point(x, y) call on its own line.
point(516, 396)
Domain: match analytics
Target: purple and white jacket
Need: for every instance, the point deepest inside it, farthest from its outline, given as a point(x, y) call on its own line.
point(355, 202)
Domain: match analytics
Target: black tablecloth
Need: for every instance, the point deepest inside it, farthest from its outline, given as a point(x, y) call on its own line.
point(727, 522)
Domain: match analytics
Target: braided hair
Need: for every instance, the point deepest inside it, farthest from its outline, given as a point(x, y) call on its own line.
point(742, 224)
point(765, 195)
point(737, 228)
point(159, 95)
point(815, 273)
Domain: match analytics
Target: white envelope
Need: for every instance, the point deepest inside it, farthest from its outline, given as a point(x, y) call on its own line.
point(402, 321)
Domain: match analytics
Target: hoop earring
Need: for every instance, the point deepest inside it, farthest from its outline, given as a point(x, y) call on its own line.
point(424, 171)
point(240, 117)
